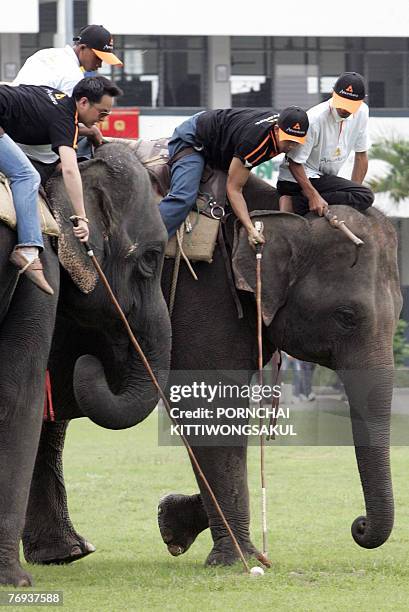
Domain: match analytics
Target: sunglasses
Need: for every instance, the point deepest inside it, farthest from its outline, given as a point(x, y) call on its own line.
point(102, 113)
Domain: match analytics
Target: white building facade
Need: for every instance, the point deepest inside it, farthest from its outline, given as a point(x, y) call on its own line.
point(223, 54)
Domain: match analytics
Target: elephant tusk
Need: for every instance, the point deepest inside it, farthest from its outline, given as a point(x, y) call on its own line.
point(337, 224)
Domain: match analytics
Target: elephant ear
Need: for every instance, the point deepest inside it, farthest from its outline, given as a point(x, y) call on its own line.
point(287, 246)
point(71, 252)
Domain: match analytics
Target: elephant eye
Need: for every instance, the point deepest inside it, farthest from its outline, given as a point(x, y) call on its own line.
point(346, 318)
point(148, 263)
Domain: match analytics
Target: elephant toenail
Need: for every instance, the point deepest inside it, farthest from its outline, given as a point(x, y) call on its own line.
point(175, 550)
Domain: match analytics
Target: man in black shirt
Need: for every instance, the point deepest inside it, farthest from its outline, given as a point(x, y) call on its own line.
point(234, 140)
point(41, 115)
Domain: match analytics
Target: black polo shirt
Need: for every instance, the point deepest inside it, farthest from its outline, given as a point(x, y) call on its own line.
point(246, 133)
point(35, 115)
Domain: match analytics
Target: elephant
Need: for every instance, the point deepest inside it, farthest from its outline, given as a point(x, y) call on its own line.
point(99, 375)
point(321, 303)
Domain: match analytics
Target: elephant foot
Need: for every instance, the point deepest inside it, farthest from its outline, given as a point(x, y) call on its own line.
point(15, 575)
point(225, 553)
point(59, 551)
point(181, 518)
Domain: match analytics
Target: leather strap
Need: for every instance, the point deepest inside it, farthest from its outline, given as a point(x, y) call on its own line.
point(229, 272)
point(180, 154)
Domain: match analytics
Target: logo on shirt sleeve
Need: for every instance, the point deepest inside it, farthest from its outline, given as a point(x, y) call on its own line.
point(55, 95)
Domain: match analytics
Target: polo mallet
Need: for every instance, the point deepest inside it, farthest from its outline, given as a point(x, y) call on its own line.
point(154, 380)
point(259, 255)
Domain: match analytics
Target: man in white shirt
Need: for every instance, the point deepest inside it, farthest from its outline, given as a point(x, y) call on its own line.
point(307, 179)
point(62, 69)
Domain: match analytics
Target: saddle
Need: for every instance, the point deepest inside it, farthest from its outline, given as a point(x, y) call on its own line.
point(197, 236)
point(8, 214)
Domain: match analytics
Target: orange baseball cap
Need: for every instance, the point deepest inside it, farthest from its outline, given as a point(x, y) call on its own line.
point(349, 92)
point(97, 38)
point(293, 124)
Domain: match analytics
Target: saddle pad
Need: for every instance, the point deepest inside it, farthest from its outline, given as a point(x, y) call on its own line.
point(199, 243)
point(200, 230)
point(8, 214)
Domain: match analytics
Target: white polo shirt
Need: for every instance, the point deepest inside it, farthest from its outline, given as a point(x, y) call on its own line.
point(57, 68)
point(330, 140)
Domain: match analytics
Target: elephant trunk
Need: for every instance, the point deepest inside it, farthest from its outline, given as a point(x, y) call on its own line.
point(138, 395)
point(370, 398)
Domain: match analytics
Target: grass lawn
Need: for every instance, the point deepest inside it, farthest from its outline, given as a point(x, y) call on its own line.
point(114, 480)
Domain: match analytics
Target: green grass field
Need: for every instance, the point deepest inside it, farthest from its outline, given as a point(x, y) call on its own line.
point(114, 481)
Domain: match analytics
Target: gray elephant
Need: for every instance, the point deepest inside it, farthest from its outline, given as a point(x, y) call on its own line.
point(316, 306)
point(94, 368)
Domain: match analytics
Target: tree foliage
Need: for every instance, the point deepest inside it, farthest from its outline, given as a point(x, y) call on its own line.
point(400, 344)
point(396, 181)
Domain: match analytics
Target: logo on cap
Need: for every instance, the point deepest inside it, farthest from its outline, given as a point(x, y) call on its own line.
point(110, 45)
point(348, 93)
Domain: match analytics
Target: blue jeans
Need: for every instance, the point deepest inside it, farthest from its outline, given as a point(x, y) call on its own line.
point(185, 176)
point(84, 149)
point(24, 182)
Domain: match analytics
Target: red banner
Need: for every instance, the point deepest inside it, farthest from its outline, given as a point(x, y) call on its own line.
point(121, 123)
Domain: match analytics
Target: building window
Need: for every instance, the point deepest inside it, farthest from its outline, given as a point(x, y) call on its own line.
point(296, 79)
point(250, 83)
point(161, 71)
point(385, 80)
point(284, 70)
point(183, 78)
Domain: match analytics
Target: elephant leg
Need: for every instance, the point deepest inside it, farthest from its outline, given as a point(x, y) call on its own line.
point(233, 497)
point(18, 444)
point(218, 342)
point(21, 401)
point(181, 518)
point(49, 536)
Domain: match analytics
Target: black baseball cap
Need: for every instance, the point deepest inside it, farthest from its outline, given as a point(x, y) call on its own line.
point(97, 38)
point(293, 124)
point(349, 91)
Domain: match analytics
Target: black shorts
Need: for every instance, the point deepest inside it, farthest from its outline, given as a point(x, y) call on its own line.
point(334, 190)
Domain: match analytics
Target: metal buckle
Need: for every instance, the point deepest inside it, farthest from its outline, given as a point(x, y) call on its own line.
point(216, 207)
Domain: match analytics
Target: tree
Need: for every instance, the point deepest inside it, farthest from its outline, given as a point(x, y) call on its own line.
point(396, 181)
point(396, 153)
point(400, 344)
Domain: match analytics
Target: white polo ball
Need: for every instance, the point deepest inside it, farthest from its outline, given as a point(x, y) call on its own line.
point(256, 571)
